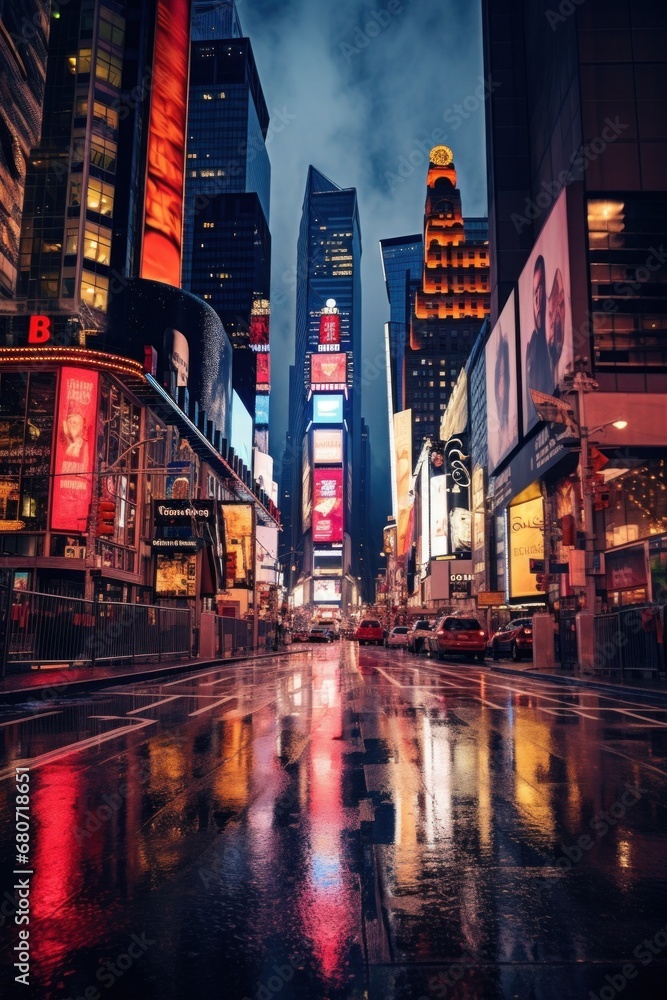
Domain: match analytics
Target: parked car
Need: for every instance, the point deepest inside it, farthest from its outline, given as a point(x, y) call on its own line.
point(417, 635)
point(398, 637)
point(320, 633)
point(515, 639)
point(370, 630)
point(300, 635)
point(457, 634)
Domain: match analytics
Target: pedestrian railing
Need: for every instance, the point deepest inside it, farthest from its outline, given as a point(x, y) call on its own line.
point(630, 641)
point(45, 629)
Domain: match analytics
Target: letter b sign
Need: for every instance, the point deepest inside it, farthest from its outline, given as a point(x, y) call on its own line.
point(39, 330)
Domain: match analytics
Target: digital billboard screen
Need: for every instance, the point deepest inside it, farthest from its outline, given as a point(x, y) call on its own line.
point(502, 390)
point(259, 331)
point(545, 311)
point(328, 370)
point(327, 505)
point(328, 447)
point(238, 521)
point(328, 591)
point(241, 431)
point(261, 409)
point(263, 372)
point(327, 409)
point(330, 328)
point(76, 433)
point(163, 205)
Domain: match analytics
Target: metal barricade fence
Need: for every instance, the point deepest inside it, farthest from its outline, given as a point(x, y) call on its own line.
point(630, 640)
point(47, 629)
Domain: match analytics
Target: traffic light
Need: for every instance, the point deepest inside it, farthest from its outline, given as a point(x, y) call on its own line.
point(539, 581)
point(106, 518)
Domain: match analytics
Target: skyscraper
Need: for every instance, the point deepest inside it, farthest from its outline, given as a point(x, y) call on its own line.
point(227, 244)
point(402, 264)
point(450, 303)
point(22, 75)
point(578, 220)
point(327, 360)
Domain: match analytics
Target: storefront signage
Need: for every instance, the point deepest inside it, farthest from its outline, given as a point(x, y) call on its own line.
point(526, 542)
point(40, 329)
point(177, 544)
point(176, 513)
point(490, 598)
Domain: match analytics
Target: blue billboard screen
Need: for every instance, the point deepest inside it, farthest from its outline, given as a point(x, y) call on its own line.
point(327, 409)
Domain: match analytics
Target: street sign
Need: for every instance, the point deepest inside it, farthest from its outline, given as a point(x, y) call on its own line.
point(490, 598)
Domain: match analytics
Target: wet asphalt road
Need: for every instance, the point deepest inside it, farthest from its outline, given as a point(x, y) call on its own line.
point(341, 823)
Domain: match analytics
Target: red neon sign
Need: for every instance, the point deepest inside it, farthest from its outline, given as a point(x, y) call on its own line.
point(330, 328)
point(40, 329)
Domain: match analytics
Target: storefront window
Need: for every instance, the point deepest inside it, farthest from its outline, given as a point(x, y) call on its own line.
point(637, 503)
point(26, 430)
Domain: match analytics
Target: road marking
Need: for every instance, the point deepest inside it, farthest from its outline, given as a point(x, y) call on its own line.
point(29, 718)
point(209, 708)
point(93, 741)
point(154, 704)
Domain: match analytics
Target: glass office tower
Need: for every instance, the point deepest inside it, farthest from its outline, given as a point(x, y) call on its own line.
point(328, 279)
point(227, 244)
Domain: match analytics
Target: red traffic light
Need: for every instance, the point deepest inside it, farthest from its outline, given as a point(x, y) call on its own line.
point(106, 518)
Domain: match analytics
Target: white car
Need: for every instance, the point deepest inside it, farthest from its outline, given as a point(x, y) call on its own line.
point(398, 637)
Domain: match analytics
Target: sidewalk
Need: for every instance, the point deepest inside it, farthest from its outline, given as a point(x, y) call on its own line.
point(654, 688)
point(40, 685)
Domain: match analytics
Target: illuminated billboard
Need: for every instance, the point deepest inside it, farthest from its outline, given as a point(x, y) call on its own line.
point(329, 329)
point(439, 517)
point(238, 520)
point(545, 311)
point(328, 447)
point(263, 372)
point(328, 505)
point(403, 452)
point(306, 485)
point(525, 542)
point(241, 431)
point(327, 590)
point(163, 203)
point(328, 371)
point(327, 409)
point(267, 554)
point(176, 575)
point(502, 391)
point(261, 409)
point(259, 331)
point(424, 518)
point(76, 434)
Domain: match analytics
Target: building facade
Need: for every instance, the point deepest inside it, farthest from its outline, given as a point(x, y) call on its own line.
point(325, 401)
point(578, 300)
point(227, 244)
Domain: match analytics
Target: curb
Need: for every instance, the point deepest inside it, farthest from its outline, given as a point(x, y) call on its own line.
point(656, 694)
point(64, 687)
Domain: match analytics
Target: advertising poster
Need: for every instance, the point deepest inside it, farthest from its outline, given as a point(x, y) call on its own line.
point(460, 531)
point(75, 433)
point(263, 372)
point(330, 328)
point(502, 392)
point(545, 311)
point(328, 505)
point(327, 409)
point(439, 536)
point(327, 590)
point(176, 575)
point(425, 523)
point(525, 542)
point(626, 569)
point(403, 451)
point(328, 447)
point(261, 409)
point(163, 213)
point(328, 371)
point(267, 554)
point(241, 431)
point(306, 485)
point(238, 520)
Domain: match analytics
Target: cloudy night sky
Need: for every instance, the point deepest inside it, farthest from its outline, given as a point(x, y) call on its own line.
point(357, 112)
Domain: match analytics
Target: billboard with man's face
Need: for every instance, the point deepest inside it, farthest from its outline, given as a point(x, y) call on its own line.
point(545, 311)
point(502, 391)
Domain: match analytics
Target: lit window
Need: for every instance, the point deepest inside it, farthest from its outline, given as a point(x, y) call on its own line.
point(94, 290)
point(82, 64)
point(97, 245)
point(207, 97)
point(103, 153)
point(109, 68)
point(208, 225)
point(100, 197)
point(72, 240)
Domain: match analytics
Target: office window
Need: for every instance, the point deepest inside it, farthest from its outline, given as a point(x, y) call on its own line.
point(103, 153)
point(112, 27)
point(97, 244)
point(94, 290)
point(109, 68)
point(83, 61)
point(100, 196)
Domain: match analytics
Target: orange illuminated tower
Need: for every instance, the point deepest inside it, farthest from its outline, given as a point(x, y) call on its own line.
point(452, 301)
